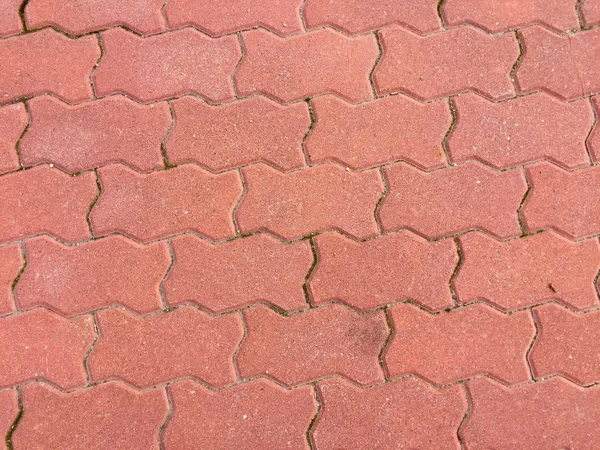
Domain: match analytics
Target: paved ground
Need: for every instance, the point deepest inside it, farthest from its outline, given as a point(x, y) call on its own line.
point(329, 224)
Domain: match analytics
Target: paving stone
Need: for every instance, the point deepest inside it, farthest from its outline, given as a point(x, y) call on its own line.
point(593, 142)
point(447, 201)
point(47, 62)
point(156, 205)
point(392, 268)
point(524, 272)
point(45, 200)
point(521, 130)
point(73, 280)
point(13, 120)
point(454, 346)
point(239, 133)
point(464, 58)
point(405, 414)
point(378, 132)
point(306, 65)
point(320, 198)
point(331, 340)
point(590, 12)
point(239, 273)
point(258, 414)
point(227, 16)
point(11, 262)
point(76, 138)
point(10, 22)
point(165, 66)
point(39, 344)
point(564, 66)
point(565, 201)
point(359, 17)
point(110, 415)
point(499, 16)
point(549, 414)
point(9, 409)
point(78, 17)
point(148, 351)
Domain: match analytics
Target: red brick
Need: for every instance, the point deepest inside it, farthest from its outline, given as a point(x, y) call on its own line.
point(565, 201)
point(148, 351)
point(76, 138)
point(110, 415)
point(374, 133)
point(238, 273)
point(456, 199)
point(499, 16)
point(458, 60)
point(406, 414)
point(238, 133)
point(392, 268)
point(470, 341)
point(590, 12)
point(165, 66)
point(78, 17)
point(13, 120)
point(73, 280)
point(549, 414)
point(9, 409)
point(11, 262)
point(306, 65)
point(47, 62)
point(521, 130)
point(565, 66)
point(567, 344)
point(523, 272)
point(227, 16)
point(45, 200)
point(359, 17)
point(39, 344)
point(248, 416)
point(147, 207)
point(331, 340)
point(10, 22)
point(594, 138)
point(309, 201)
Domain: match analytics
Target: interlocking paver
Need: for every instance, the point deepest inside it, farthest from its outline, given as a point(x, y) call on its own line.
point(76, 138)
point(382, 131)
point(234, 274)
point(392, 268)
point(564, 66)
point(11, 262)
point(47, 62)
point(110, 415)
point(9, 409)
point(258, 414)
point(405, 414)
point(590, 12)
point(238, 133)
point(550, 414)
point(10, 22)
point(152, 206)
point(317, 199)
point(39, 344)
point(524, 272)
point(499, 16)
point(452, 200)
point(227, 16)
point(521, 130)
point(148, 351)
point(594, 138)
point(168, 65)
point(45, 200)
point(13, 120)
point(453, 346)
point(359, 17)
point(565, 201)
point(567, 344)
point(302, 66)
point(73, 280)
point(458, 60)
point(78, 17)
point(331, 340)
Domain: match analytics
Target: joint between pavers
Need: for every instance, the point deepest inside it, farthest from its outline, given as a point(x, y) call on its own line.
point(13, 426)
point(86, 368)
point(313, 420)
point(240, 41)
point(305, 288)
point(238, 377)
point(381, 200)
point(465, 418)
point(517, 63)
point(522, 225)
point(91, 78)
point(18, 277)
point(163, 142)
point(25, 130)
point(453, 113)
point(459, 263)
point(94, 201)
point(377, 59)
point(22, 16)
point(168, 415)
point(594, 124)
point(236, 227)
point(311, 126)
point(440, 13)
point(390, 325)
point(161, 289)
point(531, 344)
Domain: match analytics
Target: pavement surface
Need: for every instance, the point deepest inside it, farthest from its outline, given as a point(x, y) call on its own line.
point(318, 224)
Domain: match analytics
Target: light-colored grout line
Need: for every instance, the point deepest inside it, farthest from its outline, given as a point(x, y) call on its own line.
point(454, 115)
point(240, 41)
point(234, 211)
point(91, 348)
point(302, 19)
point(168, 416)
point(161, 289)
point(594, 125)
point(91, 78)
point(238, 378)
point(531, 344)
point(23, 133)
point(163, 142)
